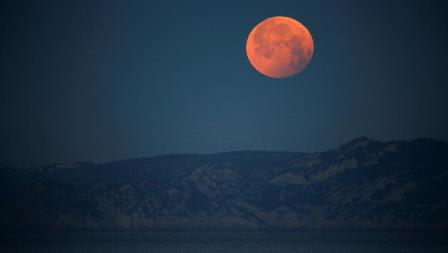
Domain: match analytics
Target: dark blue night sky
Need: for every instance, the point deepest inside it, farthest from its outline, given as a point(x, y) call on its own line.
point(108, 80)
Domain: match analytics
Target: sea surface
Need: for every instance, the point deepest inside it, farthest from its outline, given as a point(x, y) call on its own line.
point(224, 241)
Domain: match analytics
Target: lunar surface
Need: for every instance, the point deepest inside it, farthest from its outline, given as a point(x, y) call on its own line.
point(280, 47)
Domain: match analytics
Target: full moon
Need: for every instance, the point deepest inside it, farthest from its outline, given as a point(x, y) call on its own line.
point(279, 47)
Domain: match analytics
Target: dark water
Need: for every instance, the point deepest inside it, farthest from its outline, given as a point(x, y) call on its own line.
point(228, 241)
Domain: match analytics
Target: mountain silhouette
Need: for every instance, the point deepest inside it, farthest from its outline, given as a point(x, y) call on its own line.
point(364, 183)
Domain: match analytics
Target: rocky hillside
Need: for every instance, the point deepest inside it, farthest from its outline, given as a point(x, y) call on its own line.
point(362, 184)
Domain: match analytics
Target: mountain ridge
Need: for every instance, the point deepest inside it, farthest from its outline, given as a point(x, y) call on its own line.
point(364, 183)
point(360, 138)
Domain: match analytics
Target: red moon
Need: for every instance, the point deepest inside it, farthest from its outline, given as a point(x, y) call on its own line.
point(279, 47)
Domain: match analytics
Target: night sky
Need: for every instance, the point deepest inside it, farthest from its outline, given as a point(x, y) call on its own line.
point(109, 80)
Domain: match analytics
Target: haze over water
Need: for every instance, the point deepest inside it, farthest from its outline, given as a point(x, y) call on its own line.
point(225, 242)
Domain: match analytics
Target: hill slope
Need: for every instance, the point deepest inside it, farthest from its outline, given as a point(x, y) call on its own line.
point(362, 184)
